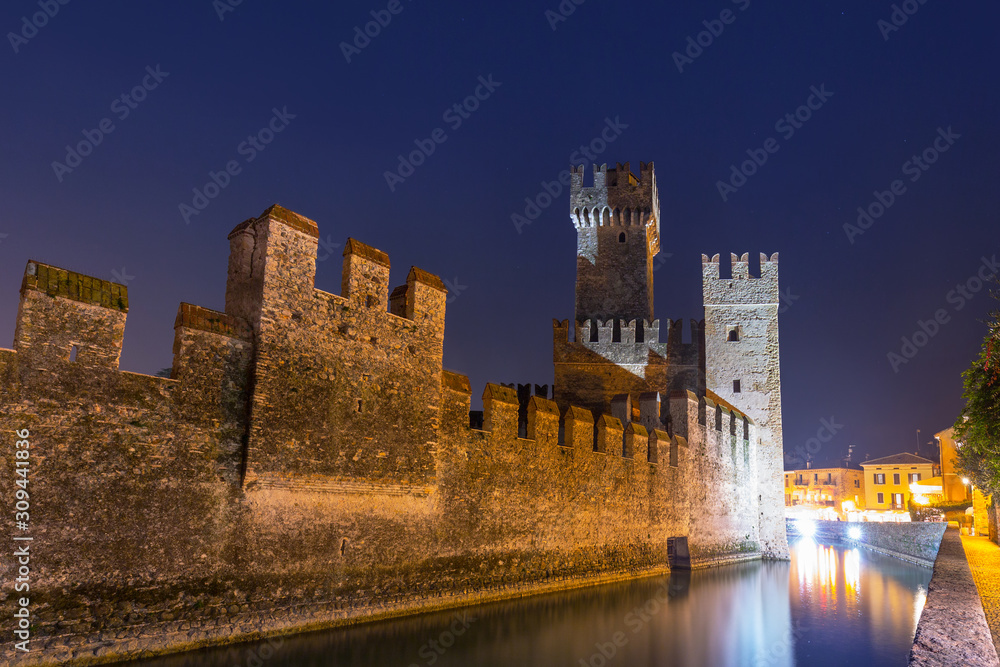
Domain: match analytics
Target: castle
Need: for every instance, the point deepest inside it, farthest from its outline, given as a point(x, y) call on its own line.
point(309, 462)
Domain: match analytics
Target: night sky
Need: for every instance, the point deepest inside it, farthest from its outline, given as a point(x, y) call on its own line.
point(217, 74)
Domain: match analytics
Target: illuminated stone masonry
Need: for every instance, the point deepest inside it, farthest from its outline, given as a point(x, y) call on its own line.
point(309, 462)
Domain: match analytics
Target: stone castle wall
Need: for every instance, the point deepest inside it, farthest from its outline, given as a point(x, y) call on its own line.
point(310, 463)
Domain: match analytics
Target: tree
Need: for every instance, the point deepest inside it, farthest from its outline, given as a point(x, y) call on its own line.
point(978, 427)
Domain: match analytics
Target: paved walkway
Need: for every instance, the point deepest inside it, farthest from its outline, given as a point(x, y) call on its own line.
point(984, 561)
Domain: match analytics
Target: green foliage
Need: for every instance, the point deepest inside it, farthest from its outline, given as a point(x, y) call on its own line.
point(921, 512)
point(978, 427)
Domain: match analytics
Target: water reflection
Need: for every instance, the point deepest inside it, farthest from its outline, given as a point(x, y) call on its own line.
point(829, 606)
point(856, 596)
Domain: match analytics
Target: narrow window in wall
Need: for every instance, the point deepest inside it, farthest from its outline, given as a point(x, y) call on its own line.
point(73, 350)
point(621, 237)
point(736, 386)
point(734, 334)
point(360, 407)
point(895, 478)
point(881, 498)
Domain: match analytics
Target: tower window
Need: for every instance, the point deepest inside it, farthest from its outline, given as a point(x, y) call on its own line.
point(734, 334)
point(73, 351)
point(736, 386)
point(621, 237)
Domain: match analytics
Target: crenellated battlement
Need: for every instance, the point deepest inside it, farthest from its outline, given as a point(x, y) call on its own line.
point(617, 197)
point(575, 428)
point(742, 287)
point(741, 267)
point(614, 330)
point(654, 431)
point(617, 334)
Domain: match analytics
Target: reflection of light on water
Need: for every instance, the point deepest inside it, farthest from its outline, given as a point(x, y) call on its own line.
point(848, 593)
point(852, 571)
point(817, 565)
point(806, 560)
point(919, 600)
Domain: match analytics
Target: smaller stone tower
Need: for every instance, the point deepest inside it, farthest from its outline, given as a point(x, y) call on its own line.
point(742, 368)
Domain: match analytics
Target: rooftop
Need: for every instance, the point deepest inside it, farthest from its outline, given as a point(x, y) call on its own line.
point(899, 459)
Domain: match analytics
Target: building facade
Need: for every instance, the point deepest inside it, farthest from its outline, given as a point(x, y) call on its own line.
point(887, 480)
point(953, 488)
point(826, 488)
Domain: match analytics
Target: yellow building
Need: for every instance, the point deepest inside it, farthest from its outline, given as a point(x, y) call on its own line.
point(954, 489)
point(819, 488)
point(888, 479)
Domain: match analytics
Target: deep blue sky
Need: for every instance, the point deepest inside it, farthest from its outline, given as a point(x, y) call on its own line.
point(119, 208)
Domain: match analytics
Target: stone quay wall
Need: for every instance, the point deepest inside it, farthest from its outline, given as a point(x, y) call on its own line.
point(953, 628)
point(914, 542)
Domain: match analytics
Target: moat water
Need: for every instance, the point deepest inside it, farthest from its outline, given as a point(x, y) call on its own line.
point(829, 606)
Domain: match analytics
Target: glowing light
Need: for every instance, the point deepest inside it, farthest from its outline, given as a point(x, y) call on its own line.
point(852, 570)
point(854, 533)
point(806, 527)
point(920, 500)
point(965, 480)
point(918, 604)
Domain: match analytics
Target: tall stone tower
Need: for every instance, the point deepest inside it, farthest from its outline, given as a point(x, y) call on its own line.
point(742, 368)
point(614, 344)
point(618, 233)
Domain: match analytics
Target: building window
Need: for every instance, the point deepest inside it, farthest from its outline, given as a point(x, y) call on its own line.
point(895, 478)
point(816, 477)
point(881, 498)
point(734, 334)
point(857, 484)
point(879, 479)
point(621, 237)
point(897, 500)
point(914, 477)
point(736, 386)
point(829, 478)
